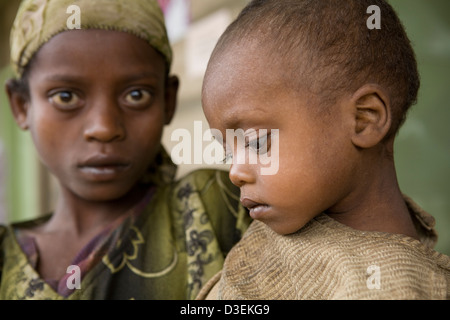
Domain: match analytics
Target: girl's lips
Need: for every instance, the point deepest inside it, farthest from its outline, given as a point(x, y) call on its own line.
point(104, 160)
point(103, 173)
point(103, 167)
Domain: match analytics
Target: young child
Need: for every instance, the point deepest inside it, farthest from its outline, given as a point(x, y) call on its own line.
point(93, 87)
point(332, 223)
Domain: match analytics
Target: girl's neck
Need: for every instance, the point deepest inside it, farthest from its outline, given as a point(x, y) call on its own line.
point(80, 216)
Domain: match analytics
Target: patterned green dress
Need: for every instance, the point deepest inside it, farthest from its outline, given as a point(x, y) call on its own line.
point(167, 247)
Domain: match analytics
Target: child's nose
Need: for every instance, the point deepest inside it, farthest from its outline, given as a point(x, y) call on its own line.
point(104, 124)
point(241, 174)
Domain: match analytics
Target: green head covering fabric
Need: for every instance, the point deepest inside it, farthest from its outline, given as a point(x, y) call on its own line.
point(37, 21)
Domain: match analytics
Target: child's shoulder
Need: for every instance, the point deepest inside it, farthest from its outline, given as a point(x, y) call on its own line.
point(32, 222)
point(24, 224)
point(327, 260)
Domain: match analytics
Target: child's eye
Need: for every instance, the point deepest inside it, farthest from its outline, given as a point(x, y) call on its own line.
point(65, 100)
point(138, 98)
point(228, 158)
point(260, 144)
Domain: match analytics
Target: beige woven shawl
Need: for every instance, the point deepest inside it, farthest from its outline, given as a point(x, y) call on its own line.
point(328, 260)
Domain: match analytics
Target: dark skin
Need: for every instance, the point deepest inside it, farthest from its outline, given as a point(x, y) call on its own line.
point(97, 105)
point(338, 161)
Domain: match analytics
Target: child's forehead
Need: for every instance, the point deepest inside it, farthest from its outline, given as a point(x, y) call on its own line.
point(255, 64)
point(254, 83)
point(260, 60)
point(38, 21)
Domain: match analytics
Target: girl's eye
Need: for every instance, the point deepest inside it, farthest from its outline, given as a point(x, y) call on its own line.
point(65, 100)
point(259, 144)
point(138, 98)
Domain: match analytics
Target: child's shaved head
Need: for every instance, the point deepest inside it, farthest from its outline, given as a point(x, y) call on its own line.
point(327, 47)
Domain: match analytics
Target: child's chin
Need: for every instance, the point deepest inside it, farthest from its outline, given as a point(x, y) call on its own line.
point(283, 228)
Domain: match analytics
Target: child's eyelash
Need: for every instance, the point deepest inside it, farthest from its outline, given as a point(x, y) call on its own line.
point(260, 144)
point(228, 157)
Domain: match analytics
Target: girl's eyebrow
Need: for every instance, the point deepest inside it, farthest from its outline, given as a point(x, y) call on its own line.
point(77, 78)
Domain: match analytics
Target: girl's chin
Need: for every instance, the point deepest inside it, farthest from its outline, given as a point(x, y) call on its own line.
point(102, 193)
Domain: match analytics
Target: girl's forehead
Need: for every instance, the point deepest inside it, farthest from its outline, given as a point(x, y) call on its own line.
point(80, 54)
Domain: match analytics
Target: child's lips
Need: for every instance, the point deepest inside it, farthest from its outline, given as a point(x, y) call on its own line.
point(103, 167)
point(256, 209)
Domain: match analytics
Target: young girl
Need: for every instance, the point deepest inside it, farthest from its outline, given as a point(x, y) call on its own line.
point(95, 92)
point(332, 223)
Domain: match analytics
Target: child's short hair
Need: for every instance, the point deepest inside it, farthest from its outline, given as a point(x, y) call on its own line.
point(328, 46)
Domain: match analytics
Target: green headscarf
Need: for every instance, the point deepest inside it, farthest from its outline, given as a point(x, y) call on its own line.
point(37, 21)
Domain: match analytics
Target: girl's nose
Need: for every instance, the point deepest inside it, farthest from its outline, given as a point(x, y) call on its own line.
point(105, 124)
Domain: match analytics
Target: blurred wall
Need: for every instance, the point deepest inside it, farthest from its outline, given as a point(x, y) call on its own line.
point(21, 175)
point(422, 150)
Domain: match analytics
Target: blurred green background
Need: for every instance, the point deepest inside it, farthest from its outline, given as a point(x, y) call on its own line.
point(422, 150)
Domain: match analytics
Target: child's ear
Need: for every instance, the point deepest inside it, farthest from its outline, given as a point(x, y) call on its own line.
point(372, 112)
point(172, 85)
point(19, 103)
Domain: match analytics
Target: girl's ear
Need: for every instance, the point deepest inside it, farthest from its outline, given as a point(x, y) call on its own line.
point(372, 116)
point(172, 85)
point(19, 102)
